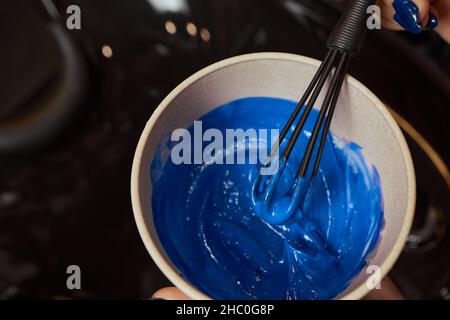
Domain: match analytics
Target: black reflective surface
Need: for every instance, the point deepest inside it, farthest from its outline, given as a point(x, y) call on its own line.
point(68, 203)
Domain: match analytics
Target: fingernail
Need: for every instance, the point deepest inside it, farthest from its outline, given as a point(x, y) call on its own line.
point(433, 22)
point(407, 15)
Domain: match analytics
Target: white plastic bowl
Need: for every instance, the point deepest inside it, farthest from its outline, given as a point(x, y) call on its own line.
point(359, 117)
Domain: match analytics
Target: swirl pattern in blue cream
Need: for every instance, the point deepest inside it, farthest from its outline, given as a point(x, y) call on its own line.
point(207, 216)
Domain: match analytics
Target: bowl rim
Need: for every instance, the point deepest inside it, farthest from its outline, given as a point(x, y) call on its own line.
point(138, 211)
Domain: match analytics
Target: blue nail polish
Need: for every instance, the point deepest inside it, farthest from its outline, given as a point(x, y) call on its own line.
point(433, 22)
point(407, 15)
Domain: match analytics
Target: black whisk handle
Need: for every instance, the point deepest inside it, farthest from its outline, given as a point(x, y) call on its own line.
point(349, 33)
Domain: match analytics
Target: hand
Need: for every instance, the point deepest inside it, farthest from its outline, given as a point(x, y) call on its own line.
point(388, 291)
point(170, 293)
point(416, 16)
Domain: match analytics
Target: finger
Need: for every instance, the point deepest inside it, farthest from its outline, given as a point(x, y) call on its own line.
point(387, 15)
point(424, 7)
point(387, 291)
point(432, 19)
point(442, 9)
point(406, 14)
point(170, 293)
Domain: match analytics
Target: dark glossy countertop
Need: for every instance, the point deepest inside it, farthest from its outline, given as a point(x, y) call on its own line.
point(68, 201)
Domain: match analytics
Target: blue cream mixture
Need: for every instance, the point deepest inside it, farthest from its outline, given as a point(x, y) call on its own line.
point(210, 222)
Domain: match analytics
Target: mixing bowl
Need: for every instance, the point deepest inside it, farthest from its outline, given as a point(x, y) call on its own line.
point(359, 117)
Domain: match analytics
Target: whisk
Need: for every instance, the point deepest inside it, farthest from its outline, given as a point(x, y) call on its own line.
point(344, 42)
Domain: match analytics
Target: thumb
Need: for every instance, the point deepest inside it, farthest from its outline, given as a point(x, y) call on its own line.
point(170, 293)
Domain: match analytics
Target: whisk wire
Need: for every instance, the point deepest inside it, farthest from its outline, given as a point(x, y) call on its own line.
point(325, 67)
point(309, 106)
point(345, 41)
point(305, 96)
point(329, 102)
point(343, 66)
